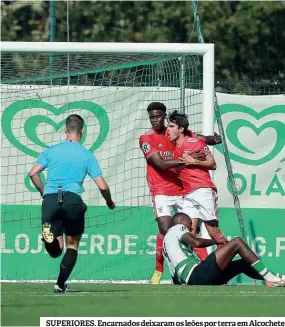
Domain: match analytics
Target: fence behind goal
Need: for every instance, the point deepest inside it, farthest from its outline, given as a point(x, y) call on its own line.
point(111, 92)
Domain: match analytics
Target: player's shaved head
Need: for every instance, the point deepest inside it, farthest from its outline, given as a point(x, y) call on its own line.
point(74, 124)
point(181, 218)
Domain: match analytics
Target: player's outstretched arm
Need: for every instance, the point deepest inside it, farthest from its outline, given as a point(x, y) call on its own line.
point(196, 242)
point(105, 191)
point(157, 162)
point(211, 139)
point(36, 179)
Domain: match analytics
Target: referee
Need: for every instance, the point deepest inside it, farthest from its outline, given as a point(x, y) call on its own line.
point(63, 209)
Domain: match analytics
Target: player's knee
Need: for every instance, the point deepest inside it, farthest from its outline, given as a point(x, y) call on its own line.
point(238, 241)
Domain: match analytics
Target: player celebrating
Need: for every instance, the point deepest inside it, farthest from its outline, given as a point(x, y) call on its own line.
point(165, 188)
point(200, 201)
point(63, 210)
point(218, 268)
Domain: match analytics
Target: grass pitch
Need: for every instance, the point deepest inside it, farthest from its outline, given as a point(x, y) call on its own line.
point(24, 304)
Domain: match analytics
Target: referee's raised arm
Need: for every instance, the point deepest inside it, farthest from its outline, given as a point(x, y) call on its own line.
point(63, 210)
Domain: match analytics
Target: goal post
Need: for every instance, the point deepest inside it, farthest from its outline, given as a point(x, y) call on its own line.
point(205, 50)
point(110, 86)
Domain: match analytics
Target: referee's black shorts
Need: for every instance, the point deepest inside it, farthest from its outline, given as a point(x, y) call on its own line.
point(67, 217)
point(206, 273)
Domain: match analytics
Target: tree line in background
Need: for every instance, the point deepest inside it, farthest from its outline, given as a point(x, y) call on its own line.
point(249, 36)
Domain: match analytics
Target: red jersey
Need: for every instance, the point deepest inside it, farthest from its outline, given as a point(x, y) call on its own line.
point(160, 182)
point(194, 178)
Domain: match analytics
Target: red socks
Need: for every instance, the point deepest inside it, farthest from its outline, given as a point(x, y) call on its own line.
point(159, 259)
point(202, 253)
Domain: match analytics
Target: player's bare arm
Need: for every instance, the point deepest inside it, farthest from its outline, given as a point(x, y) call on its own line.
point(195, 242)
point(105, 191)
point(211, 139)
point(36, 179)
point(209, 163)
point(157, 162)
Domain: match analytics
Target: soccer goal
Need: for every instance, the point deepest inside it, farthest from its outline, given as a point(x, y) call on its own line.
point(110, 86)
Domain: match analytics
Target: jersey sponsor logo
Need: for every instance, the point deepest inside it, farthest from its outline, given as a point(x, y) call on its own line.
point(146, 147)
point(166, 155)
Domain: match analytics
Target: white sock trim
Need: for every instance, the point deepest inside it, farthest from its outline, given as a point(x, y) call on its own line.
point(264, 272)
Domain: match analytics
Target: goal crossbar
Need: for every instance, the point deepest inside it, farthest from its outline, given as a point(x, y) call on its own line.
point(205, 50)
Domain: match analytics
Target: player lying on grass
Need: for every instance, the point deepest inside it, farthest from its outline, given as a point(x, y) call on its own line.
point(201, 200)
point(165, 188)
point(218, 268)
point(63, 210)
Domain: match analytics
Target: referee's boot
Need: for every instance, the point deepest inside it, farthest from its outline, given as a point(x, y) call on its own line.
point(47, 233)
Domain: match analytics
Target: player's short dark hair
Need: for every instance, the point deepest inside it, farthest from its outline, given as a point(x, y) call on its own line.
point(181, 120)
point(178, 216)
point(74, 123)
point(156, 106)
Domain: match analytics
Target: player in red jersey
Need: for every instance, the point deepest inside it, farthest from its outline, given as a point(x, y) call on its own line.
point(200, 201)
point(165, 188)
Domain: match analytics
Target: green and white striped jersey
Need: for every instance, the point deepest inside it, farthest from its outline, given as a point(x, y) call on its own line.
point(179, 256)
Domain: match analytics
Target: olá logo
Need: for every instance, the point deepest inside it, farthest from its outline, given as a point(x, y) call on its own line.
point(247, 119)
point(33, 121)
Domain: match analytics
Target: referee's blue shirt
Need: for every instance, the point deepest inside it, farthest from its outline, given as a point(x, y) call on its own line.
point(68, 163)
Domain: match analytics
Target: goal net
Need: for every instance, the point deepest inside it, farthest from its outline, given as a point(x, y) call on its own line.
point(110, 86)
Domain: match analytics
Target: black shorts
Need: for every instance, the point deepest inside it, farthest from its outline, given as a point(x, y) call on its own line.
point(67, 217)
point(206, 273)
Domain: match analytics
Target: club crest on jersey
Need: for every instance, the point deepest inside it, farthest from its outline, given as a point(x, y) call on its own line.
point(183, 228)
point(160, 145)
point(145, 147)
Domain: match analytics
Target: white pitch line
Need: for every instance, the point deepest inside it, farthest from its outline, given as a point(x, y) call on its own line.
point(121, 295)
point(101, 294)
